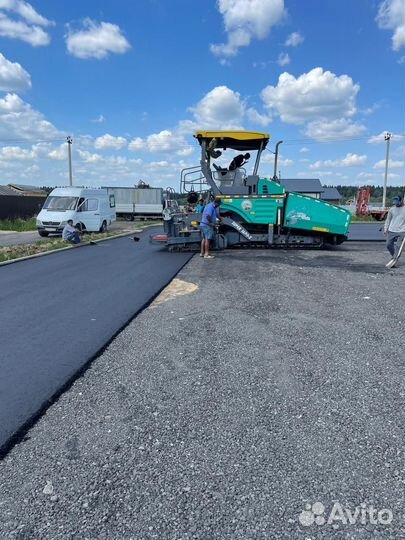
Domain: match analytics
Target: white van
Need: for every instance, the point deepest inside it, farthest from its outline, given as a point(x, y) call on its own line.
point(90, 209)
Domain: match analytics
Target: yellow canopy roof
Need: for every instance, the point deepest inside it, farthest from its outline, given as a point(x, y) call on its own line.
point(237, 140)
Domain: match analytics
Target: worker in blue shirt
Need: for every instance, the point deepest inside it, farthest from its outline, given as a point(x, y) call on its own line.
point(200, 206)
point(208, 222)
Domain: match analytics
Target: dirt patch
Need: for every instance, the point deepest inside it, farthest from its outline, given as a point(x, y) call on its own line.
point(177, 287)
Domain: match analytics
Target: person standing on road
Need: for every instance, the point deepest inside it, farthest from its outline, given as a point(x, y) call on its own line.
point(70, 233)
point(394, 228)
point(208, 222)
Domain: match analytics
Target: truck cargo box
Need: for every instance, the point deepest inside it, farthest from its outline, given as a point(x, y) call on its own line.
point(133, 202)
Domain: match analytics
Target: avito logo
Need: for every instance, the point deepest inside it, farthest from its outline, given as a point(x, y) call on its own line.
point(316, 514)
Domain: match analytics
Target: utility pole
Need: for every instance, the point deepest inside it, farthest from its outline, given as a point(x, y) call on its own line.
point(275, 160)
point(387, 139)
point(69, 141)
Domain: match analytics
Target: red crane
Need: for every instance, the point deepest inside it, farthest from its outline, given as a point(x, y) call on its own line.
point(363, 198)
point(362, 202)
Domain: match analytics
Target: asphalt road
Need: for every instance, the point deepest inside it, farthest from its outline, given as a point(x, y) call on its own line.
point(369, 232)
point(17, 238)
point(57, 311)
point(225, 413)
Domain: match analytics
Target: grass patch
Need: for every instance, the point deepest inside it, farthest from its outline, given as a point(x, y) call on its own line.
point(19, 225)
point(8, 253)
point(363, 219)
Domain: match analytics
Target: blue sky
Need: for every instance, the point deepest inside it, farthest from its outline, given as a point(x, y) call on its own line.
point(131, 81)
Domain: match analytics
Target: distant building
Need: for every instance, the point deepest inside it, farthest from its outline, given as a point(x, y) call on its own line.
point(7, 191)
point(306, 186)
point(19, 201)
point(332, 195)
point(28, 191)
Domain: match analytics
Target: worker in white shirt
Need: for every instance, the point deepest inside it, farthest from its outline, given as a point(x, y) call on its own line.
point(394, 228)
point(70, 233)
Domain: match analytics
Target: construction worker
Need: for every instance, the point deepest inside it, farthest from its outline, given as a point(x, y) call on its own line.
point(394, 228)
point(239, 161)
point(70, 233)
point(200, 206)
point(208, 222)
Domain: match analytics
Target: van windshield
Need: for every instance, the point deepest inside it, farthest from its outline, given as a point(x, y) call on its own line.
point(59, 204)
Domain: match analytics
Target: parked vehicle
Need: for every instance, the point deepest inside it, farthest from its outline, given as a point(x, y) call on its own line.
point(90, 209)
point(137, 202)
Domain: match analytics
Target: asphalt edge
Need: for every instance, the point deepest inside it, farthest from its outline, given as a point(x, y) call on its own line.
point(20, 436)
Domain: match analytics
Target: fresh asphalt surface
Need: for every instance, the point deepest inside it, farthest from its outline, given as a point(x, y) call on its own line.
point(57, 311)
point(366, 232)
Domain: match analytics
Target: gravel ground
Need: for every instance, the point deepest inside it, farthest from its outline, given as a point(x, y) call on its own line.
point(224, 412)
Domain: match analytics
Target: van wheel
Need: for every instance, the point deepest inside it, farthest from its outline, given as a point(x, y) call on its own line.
point(43, 234)
point(103, 227)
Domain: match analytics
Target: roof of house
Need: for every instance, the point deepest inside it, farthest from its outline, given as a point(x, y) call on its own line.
point(21, 188)
point(6, 190)
point(331, 194)
point(303, 185)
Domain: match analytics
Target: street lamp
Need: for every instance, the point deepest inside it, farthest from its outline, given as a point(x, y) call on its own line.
point(275, 160)
point(69, 141)
point(387, 139)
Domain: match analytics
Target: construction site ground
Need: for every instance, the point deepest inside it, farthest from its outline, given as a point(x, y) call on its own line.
point(258, 383)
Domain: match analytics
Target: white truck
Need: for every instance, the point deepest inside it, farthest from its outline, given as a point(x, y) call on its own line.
point(137, 202)
point(90, 209)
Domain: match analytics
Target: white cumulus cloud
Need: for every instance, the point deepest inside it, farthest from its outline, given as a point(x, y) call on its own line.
point(391, 16)
point(16, 153)
point(20, 121)
point(350, 160)
point(19, 20)
point(88, 157)
point(294, 39)
point(164, 141)
point(96, 40)
point(317, 94)
point(109, 141)
point(13, 77)
point(342, 128)
point(256, 118)
point(184, 152)
point(221, 108)
point(245, 20)
point(163, 164)
point(60, 153)
point(391, 164)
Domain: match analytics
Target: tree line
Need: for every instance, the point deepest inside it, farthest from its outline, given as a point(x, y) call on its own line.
point(350, 192)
